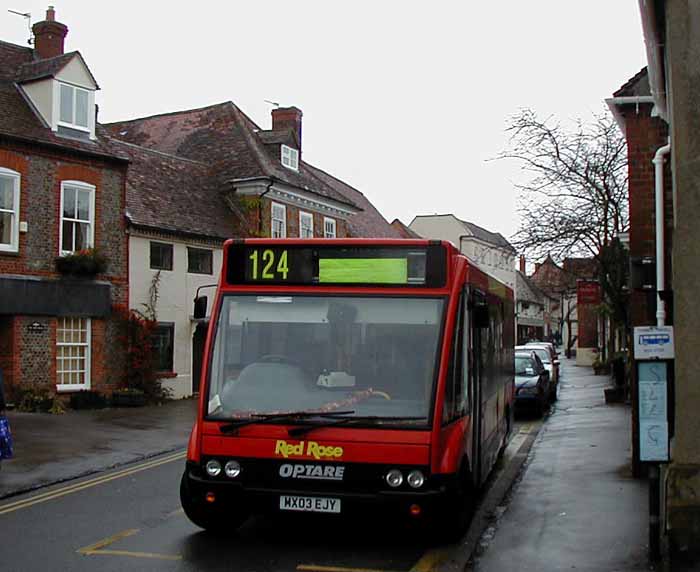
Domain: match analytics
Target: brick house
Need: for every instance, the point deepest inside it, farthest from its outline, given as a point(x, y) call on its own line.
point(197, 177)
point(577, 325)
point(62, 190)
point(633, 107)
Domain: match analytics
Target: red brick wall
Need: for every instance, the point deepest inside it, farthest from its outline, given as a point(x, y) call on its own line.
point(33, 358)
point(341, 227)
point(645, 134)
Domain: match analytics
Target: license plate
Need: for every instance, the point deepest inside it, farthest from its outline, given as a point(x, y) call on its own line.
point(309, 504)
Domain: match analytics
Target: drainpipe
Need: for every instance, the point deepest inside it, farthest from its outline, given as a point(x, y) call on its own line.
point(654, 469)
point(660, 226)
point(260, 209)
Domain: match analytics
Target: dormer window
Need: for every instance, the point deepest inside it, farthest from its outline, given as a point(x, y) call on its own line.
point(73, 107)
point(290, 158)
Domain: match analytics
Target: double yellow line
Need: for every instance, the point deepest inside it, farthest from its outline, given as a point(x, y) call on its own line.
point(77, 487)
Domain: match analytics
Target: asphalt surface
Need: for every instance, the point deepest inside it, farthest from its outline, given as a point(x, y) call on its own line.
point(130, 518)
point(576, 506)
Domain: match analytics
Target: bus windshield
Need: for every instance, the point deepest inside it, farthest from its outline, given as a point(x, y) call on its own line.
point(371, 357)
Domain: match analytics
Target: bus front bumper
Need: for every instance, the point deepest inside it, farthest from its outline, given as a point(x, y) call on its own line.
point(222, 495)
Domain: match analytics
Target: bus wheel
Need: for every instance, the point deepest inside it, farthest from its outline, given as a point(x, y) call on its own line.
point(209, 519)
point(458, 511)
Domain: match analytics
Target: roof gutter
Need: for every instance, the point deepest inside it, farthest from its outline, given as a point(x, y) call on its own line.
point(614, 104)
point(655, 55)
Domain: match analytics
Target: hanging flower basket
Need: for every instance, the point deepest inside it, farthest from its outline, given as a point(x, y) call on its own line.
point(86, 262)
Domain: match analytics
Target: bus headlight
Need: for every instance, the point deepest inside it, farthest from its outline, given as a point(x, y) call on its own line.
point(415, 479)
point(213, 468)
point(394, 478)
point(232, 469)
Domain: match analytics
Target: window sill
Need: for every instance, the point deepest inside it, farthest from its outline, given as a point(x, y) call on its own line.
point(72, 388)
point(200, 273)
point(9, 252)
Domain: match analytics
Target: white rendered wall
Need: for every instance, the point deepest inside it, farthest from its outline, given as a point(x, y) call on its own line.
point(176, 291)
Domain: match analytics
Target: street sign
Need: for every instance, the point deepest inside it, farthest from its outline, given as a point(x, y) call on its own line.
point(653, 342)
point(587, 292)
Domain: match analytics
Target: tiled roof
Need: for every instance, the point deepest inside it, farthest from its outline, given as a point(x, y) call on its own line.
point(173, 194)
point(495, 238)
point(19, 121)
point(11, 58)
point(635, 86)
point(367, 224)
point(526, 290)
point(49, 67)
point(223, 135)
point(403, 230)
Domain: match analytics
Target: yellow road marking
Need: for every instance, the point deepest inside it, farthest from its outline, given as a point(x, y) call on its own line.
point(430, 560)
point(319, 568)
point(135, 554)
point(109, 540)
point(98, 548)
point(57, 493)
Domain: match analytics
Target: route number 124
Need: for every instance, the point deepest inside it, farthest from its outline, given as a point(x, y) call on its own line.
point(269, 265)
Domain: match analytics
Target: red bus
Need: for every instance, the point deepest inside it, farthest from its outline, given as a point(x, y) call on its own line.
point(347, 375)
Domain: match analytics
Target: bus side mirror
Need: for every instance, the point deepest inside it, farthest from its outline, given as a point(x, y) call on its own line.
point(200, 307)
point(481, 316)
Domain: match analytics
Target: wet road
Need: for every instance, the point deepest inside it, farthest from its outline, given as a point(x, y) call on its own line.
point(130, 519)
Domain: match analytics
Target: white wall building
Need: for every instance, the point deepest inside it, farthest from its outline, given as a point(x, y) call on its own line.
point(490, 251)
point(180, 266)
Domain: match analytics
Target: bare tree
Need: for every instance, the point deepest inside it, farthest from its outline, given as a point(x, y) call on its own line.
point(575, 201)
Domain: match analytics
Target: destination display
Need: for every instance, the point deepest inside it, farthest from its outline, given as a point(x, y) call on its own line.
point(332, 265)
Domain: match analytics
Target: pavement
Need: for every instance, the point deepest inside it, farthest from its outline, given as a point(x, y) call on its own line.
point(575, 505)
point(53, 448)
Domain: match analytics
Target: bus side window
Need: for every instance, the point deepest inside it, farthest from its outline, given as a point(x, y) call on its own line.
point(456, 386)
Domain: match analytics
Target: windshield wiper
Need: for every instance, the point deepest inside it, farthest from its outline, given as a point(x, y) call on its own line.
point(369, 419)
point(272, 417)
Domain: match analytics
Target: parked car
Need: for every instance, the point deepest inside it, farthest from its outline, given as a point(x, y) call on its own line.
point(550, 361)
point(531, 381)
point(549, 344)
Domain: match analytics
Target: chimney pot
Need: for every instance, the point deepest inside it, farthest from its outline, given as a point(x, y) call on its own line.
point(288, 118)
point(522, 263)
point(49, 36)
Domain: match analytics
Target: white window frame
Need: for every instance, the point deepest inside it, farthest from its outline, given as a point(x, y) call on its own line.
point(283, 220)
point(14, 213)
point(327, 234)
point(90, 99)
point(290, 158)
point(309, 217)
point(61, 387)
point(80, 185)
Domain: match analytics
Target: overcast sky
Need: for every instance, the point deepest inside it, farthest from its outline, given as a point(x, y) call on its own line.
point(406, 101)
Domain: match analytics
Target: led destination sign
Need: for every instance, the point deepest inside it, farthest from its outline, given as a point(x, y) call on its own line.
point(332, 265)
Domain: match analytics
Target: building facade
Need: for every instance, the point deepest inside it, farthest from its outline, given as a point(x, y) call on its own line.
point(490, 251)
point(198, 177)
point(62, 193)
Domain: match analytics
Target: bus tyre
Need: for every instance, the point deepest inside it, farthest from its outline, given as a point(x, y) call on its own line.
point(457, 512)
point(209, 519)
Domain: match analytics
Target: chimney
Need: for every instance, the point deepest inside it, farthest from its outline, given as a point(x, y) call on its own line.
point(537, 266)
point(288, 118)
point(522, 263)
point(49, 36)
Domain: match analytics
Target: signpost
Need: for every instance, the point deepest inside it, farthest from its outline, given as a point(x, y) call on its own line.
point(653, 356)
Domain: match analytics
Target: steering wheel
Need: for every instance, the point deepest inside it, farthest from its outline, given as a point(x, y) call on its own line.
point(382, 394)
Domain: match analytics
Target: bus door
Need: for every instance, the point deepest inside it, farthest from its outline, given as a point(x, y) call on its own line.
point(476, 319)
